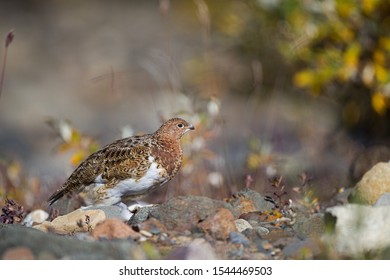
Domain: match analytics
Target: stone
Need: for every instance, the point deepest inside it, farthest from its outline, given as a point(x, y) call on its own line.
point(198, 249)
point(114, 229)
point(18, 253)
point(76, 221)
point(242, 225)
point(141, 215)
point(35, 217)
point(373, 185)
point(302, 249)
point(113, 211)
point(53, 246)
point(261, 231)
point(358, 228)
point(238, 238)
point(184, 213)
point(384, 200)
point(309, 225)
point(153, 226)
point(247, 200)
point(220, 224)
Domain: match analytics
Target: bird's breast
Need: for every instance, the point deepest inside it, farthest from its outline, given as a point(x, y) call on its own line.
point(155, 176)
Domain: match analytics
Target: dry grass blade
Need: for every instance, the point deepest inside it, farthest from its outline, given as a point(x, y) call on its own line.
point(8, 40)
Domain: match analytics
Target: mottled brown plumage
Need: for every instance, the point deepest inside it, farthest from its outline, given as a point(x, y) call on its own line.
point(129, 167)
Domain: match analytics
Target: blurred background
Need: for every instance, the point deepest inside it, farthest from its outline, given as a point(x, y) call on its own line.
point(298, 89)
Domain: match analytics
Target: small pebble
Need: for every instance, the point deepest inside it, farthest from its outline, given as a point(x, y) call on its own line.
point(242, 225)
point(238, 238)
point(261, 231)
point(35, 217)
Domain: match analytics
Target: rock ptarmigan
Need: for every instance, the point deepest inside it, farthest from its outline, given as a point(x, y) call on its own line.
point(129, 167)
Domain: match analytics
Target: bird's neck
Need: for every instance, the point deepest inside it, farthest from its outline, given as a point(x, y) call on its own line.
point(169, 151)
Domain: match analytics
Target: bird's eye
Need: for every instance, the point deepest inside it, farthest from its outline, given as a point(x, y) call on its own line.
point(180, 125)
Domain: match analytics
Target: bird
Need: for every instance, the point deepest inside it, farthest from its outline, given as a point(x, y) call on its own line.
point(129, 167)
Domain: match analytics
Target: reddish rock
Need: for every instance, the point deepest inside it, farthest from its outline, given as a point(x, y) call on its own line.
point(153, 226)
point(219, 225)
point(18, 253)
point(114, 229)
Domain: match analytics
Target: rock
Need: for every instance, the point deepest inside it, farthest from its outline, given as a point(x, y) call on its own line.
point(309, 225)
point(374, 184)
point(76, 221)
point(261, 231)
point(141, 215)
point(220, 224)
point(302, 249)
point(198, 249)
point(359, 228)
point(238, 238)
point(384, 200)
point(114, 229)
point(248, 201)
point(48, 245)
point(185, 212)
point(242, 225)
point(18, 253)
point(35, 217)
point(153, 226)
point(113, 212)
point(262, 218)
point(252, 235)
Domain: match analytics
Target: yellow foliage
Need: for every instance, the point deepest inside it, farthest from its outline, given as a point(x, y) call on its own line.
point(368, 6)
point(379, 56)
point(381, 73)
point(351, 62)
point(384, 43)
point(78, 157)
point(257, 160)
point(345, 8)
point(351, 55)
point(380, 103)
point(304, 78)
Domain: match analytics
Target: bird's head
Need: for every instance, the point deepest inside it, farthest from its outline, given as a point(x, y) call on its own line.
point(174, 128)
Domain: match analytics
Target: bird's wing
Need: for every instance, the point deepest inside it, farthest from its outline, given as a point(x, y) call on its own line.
point(119, 160)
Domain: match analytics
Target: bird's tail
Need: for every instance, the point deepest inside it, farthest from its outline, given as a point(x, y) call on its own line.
point(57, 195)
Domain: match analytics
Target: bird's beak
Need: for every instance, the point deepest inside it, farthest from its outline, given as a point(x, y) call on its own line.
point(191, 127)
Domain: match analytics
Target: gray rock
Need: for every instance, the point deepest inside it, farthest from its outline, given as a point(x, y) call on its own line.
point(238, 238)
point(306, 225)
point(198, 249)
point(248, 200)
point(185, 212)
point(141, 215)
point(48, 245)
point(261, 231)
point(112, 211)
point(384, 200)
point(302, 249)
